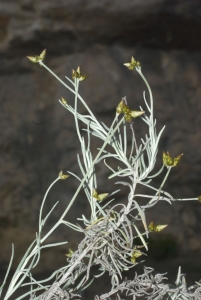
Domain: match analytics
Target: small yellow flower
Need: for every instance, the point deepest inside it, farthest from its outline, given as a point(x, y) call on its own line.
point(129, 114)
point(63, 101)
point(156, 228)
point(70, 253)
point(168, 161)
point(133, 64)
point(136, 253)
point(63, 176)
point(37, 58)
point(77, 74)
point(99, 197)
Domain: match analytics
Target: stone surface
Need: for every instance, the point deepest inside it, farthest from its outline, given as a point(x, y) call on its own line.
point(37, 136)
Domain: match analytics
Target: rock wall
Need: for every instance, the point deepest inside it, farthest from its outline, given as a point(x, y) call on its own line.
point(38, 137)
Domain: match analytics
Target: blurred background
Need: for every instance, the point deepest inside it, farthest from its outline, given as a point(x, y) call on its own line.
point(37, 135)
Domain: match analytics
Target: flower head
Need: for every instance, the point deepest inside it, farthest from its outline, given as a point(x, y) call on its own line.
point(63, 176)
point(168, 161)
point(70, 253)
point(156, 228)
point(64, 102)
point(99, 197)
point(77, 74)
point(37, 58)
point(136, 253)
point(122, 108)
point(133, 64)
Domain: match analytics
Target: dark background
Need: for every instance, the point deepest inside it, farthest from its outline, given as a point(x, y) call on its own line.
point(37, 135)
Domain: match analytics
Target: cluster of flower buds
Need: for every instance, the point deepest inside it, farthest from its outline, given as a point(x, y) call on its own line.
point(37, 58)
point(156, 228)
point(168, 161)
point(133, 64)
point(70, 253)
point(63, 176)
point(63, 100)
point(77, 74)
point(129, 114)
point(136, 253)
point(99, 197)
